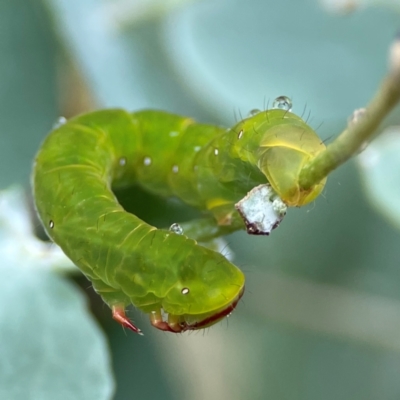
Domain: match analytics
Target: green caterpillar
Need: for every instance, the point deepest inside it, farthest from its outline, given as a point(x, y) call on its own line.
point(166, 274)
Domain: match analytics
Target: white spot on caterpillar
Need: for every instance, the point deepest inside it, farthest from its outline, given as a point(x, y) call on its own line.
point(147, 161)
point(185, 290)
point(175, 169)
point(60, 122)
point(197, 148)
point(240, 134)
point(173, 134)
point(176, 228)
point(51, 224)
point(216, 152)
point(122, 161)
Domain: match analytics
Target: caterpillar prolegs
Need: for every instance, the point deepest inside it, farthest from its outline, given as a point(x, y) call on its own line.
point(166, 274)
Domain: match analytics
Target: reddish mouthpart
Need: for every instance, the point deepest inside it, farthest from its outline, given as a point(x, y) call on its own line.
point(215, 317)
point(120, 316)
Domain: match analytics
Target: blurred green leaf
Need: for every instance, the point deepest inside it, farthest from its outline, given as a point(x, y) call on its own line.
point(51, 347)
point(380, 169)
point(19, 245)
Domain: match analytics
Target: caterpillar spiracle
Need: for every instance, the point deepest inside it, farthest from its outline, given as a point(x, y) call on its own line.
point(168, 275)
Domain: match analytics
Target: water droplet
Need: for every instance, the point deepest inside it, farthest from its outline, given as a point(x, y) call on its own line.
point(240, 134)
point(60, 122)
point(216, 152)
point(51, 224)
point(176, 228)
point(185, 290)
point(147, 161)
point(122, 161)
point(282, 103)
point(253, 112)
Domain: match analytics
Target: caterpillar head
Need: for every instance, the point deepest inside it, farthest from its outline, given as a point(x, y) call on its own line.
point(208, 289)
point(285, 143)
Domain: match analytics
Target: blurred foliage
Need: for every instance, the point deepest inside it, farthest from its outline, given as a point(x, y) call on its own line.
point(51, 349)
point(380, 168)
point(321, 315)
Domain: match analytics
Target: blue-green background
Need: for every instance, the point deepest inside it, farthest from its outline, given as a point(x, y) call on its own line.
point(320, 316)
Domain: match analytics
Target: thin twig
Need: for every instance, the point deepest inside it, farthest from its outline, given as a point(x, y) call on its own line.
point(357, 134)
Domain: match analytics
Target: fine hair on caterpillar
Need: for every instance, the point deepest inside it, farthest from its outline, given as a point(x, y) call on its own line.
point(167, 273)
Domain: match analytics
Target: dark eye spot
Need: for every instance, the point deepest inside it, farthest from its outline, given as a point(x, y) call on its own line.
point(185, 290)
point(51, 224)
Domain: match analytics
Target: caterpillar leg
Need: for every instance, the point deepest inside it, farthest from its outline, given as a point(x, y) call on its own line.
point(118, 313)
point(117, 301)
point(172, 325)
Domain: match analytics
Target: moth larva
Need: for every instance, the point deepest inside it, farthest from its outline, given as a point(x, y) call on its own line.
point(163, 272)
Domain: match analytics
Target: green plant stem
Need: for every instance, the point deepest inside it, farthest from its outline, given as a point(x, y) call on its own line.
point(356, 135)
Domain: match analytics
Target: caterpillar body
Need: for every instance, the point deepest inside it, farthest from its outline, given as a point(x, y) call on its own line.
point(168, 275)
